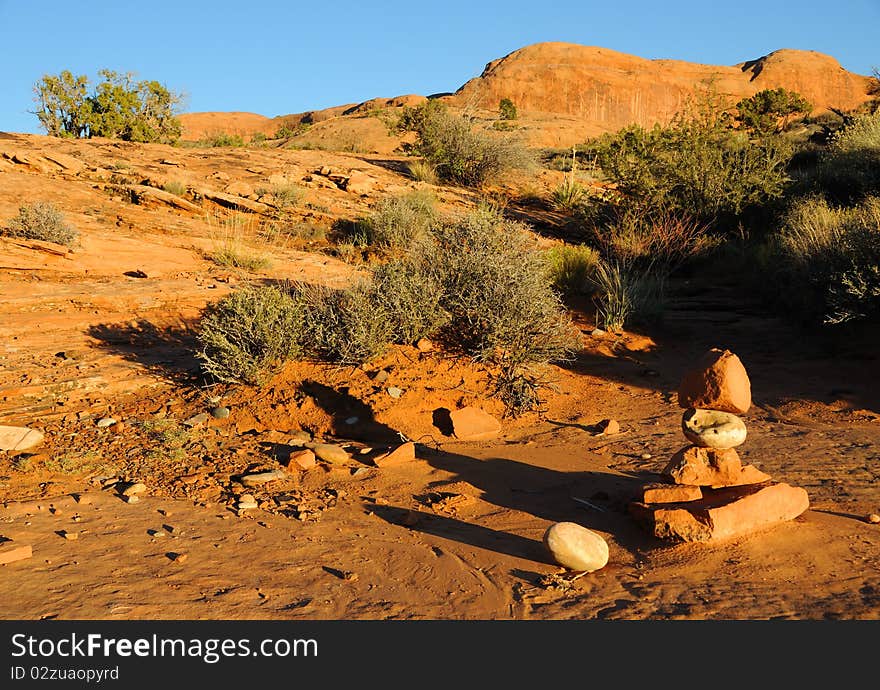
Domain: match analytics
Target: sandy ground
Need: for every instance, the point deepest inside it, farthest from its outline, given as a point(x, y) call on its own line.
point(455, 534)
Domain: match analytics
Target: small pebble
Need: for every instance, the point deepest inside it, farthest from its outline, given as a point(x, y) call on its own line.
point(195, 420)
point(873, 518)
point(220, 412)
point(70, 536)
point(352, 420)
point(105, 422)
point(134, 488)
point(646, 456)
point(132, 499)
point(381, 376)
point(395, 392)
point(178, 557)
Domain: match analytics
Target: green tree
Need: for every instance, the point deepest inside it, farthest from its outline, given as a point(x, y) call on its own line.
point(507, 109)
point(118, 108)
point(771, 110)
point(63, 105)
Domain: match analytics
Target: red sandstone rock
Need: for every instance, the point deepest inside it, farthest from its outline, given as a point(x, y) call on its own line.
point(10, 552)
point(304, 459)
point(400, 455)
point(718, 382)
point(712, 467)
point(472, 423)
point(724, 513)
point(670, 493)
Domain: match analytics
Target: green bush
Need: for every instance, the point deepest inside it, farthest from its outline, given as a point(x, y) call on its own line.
point(507, 109)
point(771, 110)
point(572, 268)
point(422, 171)
point(850, 168)
point(244, 336)
point(396, 222)
point(626, 292)
point(411, 291)
point(118, 108)
point(459, 152)
point(347, 326)
point(829, 260)
point(497, 291)
point(41, 220)
point(696, 165)
point(221, 140)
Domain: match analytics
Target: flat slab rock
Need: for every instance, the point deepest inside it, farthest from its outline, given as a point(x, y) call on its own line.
point(19, 438)
point(723, 513)
point(472, 424)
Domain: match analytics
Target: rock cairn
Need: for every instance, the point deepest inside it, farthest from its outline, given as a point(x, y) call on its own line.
point(707, 493)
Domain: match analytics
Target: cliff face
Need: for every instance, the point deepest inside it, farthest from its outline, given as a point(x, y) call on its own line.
point(608, 89)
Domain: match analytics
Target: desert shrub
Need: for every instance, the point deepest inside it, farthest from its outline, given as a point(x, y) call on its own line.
point(459, 152)
point(410, 291)
point(258, 138)
point(850, 167)
point(497, 291)
point(664, 239)
point(568, 195)
point(422, 171)
point(286, 195)
point(626, 292)
point(572, 267)
point(696, 165)
point(231, 236)
point(41, 220)
point(222, 139)
point(347, 326)
point(175, 187)
point(829, 266)
point(396, 222)
point(506, 109)
point(244, 336)
point(118, 107)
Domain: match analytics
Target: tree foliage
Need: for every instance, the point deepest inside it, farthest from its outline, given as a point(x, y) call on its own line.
point(118, 107)
point(771, 110)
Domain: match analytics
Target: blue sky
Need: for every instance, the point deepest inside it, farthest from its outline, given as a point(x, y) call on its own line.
point(275, 58)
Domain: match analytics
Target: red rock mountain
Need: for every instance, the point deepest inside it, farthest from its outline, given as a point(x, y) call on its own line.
point(591, 90)
point(615, 89)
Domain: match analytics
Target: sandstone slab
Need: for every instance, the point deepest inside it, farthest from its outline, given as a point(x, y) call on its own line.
point(717, 382)
point(712, 467)
point(670, 493)
point(19, 437)
point(10, 552)
point(304, 459)
point(330, 452)
point(472, 424)
point(401, 455)
point(724, 513)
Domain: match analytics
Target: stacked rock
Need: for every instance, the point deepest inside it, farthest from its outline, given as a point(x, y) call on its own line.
point(709, 494)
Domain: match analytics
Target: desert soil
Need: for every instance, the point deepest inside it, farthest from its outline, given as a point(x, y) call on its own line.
point(106, 331)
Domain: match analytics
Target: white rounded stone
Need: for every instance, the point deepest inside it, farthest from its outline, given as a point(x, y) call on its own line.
point(575, 547)
point(713, 429)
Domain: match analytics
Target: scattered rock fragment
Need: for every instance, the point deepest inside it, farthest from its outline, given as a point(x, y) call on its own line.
point(246, 502)
point(299, 438)
point(132, 499)
point(394, 391)
point(70, 536)
point(19, 438)
point(133, 489)
point(330, 452)
point(304, 459)
point(575, 547)
point(472, 423)
point(609, 427)
point(263, 477)
point(177, 557)
point(220, 412)
point(401, 455)
point(10, 552)
point(872, 518)
point(104, 422)
point(197, 419)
